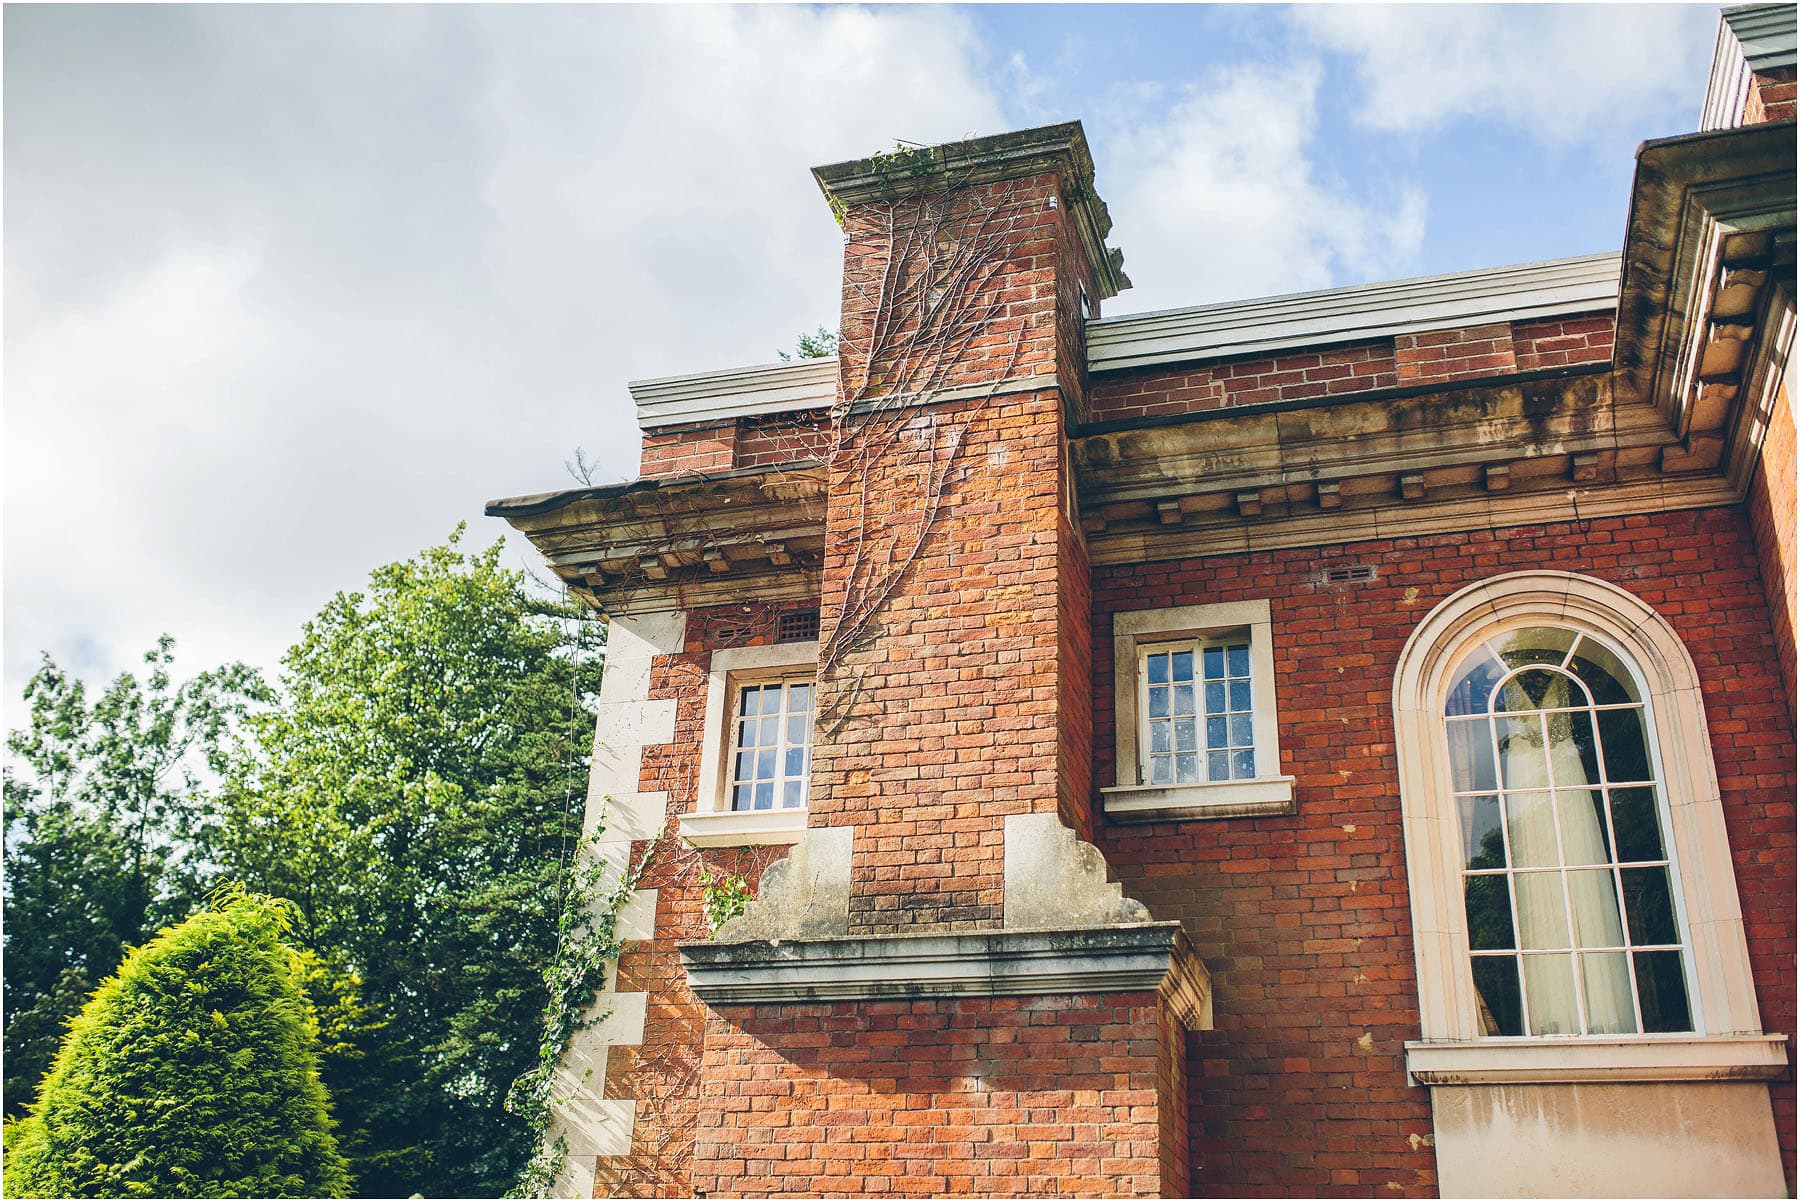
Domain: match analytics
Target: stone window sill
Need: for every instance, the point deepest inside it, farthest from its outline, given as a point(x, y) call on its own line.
point(1269, 795)
point(744, 828)
point(1640, 1058)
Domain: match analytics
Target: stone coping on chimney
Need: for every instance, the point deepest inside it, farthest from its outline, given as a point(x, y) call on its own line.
point(1138, 957)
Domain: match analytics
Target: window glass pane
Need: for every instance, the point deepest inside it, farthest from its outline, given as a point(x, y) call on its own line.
point(1573, 760)
point(1240, 694)
point(1184, 700)
point(771, 728)
point(1595, 907)
point(1522, 762)
point(1482, 844)
point(1471, 755)
point(793, 793)
point(765, 764)
point(1602, 672)
point(747, 733)
point(752, 701)
point(1215, 699)
point(1534, 645)
point(799, 697)
point(1159, 736)
point(1497, 994)
point(1543, 920)
point(1606, 992)
point(1159, 770)
point(1469, 695)
point(1648, 906)
point(1539, 689)
point(1243, 765)
point(1240, 730)
point(1187, 769)
point(1531, 828)
point(1637, 825)
point(765, 796)
point(796, 762)
point(799, 728)
point(1215, 663)
point(1622, 743)
point(1215, 732)
point(1583, 827)
point(1158, 667)
point(1187, 736)
point(1181, 666)
point(746, 765)
point(742, 796)
point(1489, 910)
point(1550, 995)
point(1159, 702)
point(1238, 660)
point(1662, 992)
point(1218, 765)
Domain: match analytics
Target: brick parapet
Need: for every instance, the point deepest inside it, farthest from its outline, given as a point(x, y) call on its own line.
point(1436, 357)
point(1304, 920)
point(1771, 504)
point(1771, 96)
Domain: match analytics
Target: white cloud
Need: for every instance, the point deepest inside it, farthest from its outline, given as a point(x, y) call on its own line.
point(291, 291)
point(1559, 73)
point(1222, 197)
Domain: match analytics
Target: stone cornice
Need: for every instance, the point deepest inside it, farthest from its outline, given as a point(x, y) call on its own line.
point(670, 542)
point(1146, 957)
point(1060, 149)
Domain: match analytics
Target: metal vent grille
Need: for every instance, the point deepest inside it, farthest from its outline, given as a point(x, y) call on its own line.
point(732, 635)
point(1358, 573)
point(797, 626)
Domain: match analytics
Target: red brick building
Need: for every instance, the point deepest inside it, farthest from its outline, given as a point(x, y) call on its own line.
point(1339, 743)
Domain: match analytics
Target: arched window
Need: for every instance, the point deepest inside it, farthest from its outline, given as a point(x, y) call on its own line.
point(1571, 905)
point(1570, 879)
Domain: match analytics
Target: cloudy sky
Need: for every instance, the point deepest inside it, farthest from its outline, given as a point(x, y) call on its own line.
point(291, 291)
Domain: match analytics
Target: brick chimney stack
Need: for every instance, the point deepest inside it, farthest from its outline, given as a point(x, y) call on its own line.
point(967, 269)
point(942, 939)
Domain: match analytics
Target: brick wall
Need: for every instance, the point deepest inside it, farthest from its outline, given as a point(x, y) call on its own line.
point(1304, 920)
point(1436, 357)
point(1046, 1097)
point(662, 1073)
point(1771, 96)
point(701, 447)
point(1562, 341)
point(954, 695)
point(783, 438)
point(1771, 506)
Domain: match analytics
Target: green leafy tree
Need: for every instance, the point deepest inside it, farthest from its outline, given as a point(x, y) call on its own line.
point(820, 344)
point(192, 1073)
point(108, 811)
point(415, 794)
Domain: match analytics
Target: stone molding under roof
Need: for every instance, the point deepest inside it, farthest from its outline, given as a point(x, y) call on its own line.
point(1586, 284)
point(1752, 38)
point(1059, 148)
point(1558, 287)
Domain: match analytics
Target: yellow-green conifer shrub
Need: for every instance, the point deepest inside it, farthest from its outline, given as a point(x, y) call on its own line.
point(192, 1073)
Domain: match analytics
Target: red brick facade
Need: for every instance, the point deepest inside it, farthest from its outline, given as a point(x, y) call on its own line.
point(1304, 920)
point(974, 565)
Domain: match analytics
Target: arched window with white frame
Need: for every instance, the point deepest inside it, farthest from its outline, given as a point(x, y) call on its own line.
point(1571, 903)
point(1574, 905)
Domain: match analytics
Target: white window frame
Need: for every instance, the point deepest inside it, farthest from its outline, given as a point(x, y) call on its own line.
point(1134, 800)
point(713, 822)
point(1727, 1040)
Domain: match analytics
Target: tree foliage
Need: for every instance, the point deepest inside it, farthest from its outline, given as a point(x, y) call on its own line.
point(415, 794)
point(108, 816)
point(820, 344)
point(192, 1073)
